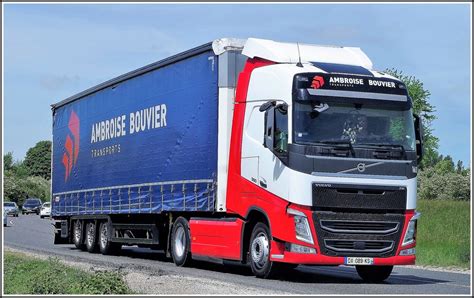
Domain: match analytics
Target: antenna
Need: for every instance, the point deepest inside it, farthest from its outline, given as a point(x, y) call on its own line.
point(299, 56)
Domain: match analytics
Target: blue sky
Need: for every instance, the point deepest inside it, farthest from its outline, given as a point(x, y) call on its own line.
point(54, 51)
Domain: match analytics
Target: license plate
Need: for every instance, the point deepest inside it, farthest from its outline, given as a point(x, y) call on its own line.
point(358, 261)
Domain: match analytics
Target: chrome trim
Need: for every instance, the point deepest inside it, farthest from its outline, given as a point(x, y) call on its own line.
point(359, 250)
point(389, 231)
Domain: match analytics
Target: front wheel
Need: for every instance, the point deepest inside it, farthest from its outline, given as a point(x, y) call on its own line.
point(374, 274)
point(180, 243)
point(260, 252)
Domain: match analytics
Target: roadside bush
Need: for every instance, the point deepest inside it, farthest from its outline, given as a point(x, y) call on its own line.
point(26, 275)
point(434, 184)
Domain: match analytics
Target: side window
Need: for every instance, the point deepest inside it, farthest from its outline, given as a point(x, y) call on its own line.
point(280, 144)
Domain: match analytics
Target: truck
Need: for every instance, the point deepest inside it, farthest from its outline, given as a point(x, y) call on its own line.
point(270, 154)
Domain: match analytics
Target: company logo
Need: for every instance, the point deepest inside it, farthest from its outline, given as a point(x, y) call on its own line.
point(318, 82)
point(71, 145)
point(345, 82)
point(361, 167)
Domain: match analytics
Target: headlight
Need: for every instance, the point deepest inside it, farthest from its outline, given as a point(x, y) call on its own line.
point(410, 234)
point(303, 231)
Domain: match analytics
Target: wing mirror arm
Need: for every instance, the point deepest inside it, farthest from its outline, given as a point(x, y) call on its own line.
point(418, 137)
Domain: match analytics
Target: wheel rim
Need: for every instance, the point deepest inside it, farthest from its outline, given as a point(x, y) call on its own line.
point(103, 236)
point(90, 235)
point(77, 232)
point(260, 250)
point(179, 242)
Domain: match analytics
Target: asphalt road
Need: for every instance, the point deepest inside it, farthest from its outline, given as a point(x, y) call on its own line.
point(29, 232)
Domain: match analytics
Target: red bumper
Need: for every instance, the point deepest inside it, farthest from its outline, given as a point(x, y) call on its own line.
point(317, 259)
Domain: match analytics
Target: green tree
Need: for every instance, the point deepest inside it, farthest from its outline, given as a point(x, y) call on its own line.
point(425, 110)
point(7, 161)
point(38, 160)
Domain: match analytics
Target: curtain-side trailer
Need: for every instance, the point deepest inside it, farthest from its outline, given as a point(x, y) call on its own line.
point(271, 154)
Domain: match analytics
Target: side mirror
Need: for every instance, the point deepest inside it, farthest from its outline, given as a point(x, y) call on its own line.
point(419, 138)
point(269, 127)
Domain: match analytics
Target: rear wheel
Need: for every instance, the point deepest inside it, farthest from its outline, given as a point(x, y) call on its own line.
point(180, 243)
point(260, 252)
point(77, 234)
point(91, 237)
point(107, 247)
point(374, 274)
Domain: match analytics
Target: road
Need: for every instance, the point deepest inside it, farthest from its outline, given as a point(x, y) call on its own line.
point(30, 233)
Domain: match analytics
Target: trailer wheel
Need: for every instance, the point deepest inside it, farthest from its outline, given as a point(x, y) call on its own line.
point(180, 243)
point(374, 274)
point(77, 234)
point(91, 236)
point(107, 247)
point(260, 252)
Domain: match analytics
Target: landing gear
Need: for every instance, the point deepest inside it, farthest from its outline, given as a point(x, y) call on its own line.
point(374, 274)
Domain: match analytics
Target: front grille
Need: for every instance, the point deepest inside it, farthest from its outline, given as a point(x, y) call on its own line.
point(361, 227)
point(358, 234)
point(370, 246)
point(361, 197)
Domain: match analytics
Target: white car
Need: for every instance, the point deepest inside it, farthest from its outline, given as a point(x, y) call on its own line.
point(45, 210)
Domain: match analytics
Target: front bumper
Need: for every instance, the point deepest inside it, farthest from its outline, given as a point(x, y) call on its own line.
point(334, 240)
point(33, 210)
point(319, 259)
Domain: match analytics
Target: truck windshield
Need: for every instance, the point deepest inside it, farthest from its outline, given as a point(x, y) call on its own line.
point(319, 123)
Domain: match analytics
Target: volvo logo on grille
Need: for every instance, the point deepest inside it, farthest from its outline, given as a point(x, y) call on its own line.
point(361, 167)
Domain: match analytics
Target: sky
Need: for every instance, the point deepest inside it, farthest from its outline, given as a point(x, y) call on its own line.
point(54, 51)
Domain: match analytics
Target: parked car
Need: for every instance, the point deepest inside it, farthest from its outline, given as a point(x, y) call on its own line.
point(5, 217)
point(45, 210)
point(32, 205)
point(11, 208)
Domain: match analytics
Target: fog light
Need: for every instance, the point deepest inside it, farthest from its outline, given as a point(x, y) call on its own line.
point(408, 252)
point(300, 249)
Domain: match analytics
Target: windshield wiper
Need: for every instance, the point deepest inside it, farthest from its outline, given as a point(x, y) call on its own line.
point(383, 145)
point(385, 155)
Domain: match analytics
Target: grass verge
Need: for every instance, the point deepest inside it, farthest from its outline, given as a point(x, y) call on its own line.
point(28, 275)
point(443, 236)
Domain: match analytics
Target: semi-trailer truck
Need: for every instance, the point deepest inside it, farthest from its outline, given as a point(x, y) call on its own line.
point(267, 153)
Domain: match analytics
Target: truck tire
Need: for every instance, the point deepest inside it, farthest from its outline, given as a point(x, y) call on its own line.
point(91, 236)
point(374, 274)
point(180, 242)
point(107, 247)
point(77, 234)
point(259, 251)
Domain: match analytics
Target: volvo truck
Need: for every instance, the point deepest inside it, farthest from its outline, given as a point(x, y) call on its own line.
point(266, 153)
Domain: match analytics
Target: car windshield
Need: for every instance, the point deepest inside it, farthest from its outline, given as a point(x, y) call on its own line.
point(316, 123)
point(46, 204)
point(8, 204)
point(32, 202)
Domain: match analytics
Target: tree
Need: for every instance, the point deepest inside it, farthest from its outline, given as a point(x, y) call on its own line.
point(425, 110)
point(7, 161)
point(38, 160)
